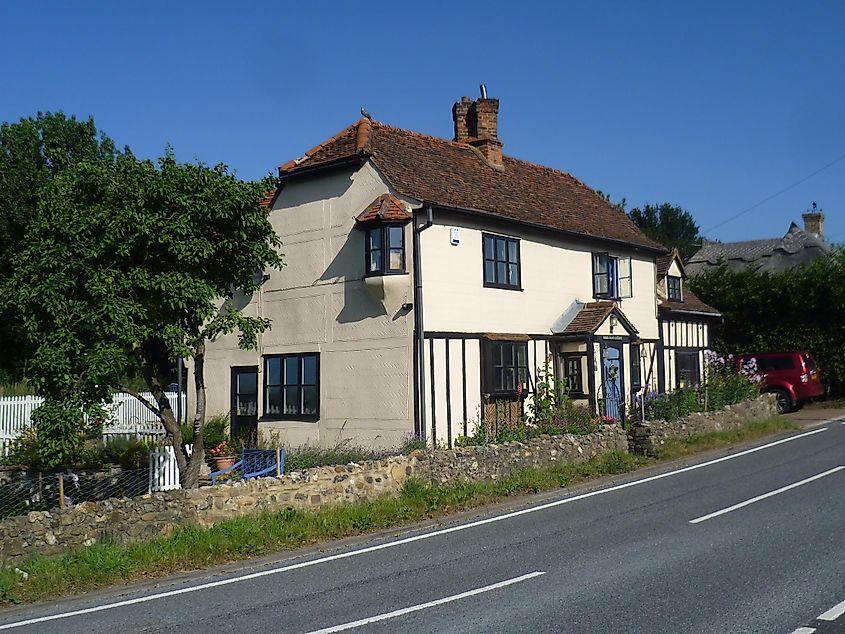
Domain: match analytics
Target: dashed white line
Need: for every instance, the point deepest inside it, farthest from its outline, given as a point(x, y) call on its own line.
point(804, 630)
point(833, 613)
point(398, 542)
point(788, 487)
point(424, 606)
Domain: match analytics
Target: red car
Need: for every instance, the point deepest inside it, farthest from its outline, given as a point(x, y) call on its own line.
point(792, 376)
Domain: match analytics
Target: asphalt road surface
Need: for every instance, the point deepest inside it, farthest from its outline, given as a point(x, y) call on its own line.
point(749, 540)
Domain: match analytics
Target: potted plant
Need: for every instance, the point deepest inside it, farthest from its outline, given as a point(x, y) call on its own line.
point(223, 455)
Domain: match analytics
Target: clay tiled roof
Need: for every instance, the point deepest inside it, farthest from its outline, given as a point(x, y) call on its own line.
point(691, 304)
point(665, 261)
point(592, 315)
point(387, 208)
point(452, 174)
point(268, 198)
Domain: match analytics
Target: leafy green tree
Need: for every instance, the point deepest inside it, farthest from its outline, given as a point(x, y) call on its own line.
point(138, 261)
point(799, 309)
point(32, 152)
point(670, 225)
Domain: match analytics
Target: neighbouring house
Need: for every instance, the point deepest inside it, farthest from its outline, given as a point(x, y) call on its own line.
point(775, 255)
point(428, 280)
point(684, 325)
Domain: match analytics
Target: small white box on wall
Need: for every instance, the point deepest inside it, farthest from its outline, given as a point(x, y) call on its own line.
point(455, 236)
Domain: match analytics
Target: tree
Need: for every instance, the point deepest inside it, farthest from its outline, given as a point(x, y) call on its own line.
point(136, 260)
point(798, 309)
point(32, 152)
point(670, 225)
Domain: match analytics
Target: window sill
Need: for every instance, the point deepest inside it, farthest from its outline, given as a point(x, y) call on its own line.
point(288, 418)
point(503, 287)
point(385, 274)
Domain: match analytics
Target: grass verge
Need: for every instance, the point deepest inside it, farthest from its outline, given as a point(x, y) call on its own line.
point(192, 548)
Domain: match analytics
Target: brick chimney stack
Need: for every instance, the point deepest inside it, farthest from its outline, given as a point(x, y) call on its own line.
point(814, 222)
point(477, 123)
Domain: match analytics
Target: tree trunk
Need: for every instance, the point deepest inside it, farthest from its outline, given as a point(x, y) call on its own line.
point(165, 412)
point(189, 477)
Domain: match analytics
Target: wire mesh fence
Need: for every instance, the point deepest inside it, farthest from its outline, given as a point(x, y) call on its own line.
point(23, 491)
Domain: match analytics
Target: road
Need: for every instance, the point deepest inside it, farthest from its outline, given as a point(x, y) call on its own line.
point(748, 540)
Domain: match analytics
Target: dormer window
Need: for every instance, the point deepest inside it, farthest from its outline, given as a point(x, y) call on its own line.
point(383, 224)
point(611, 276)
point(673, 288)
point(385, 250)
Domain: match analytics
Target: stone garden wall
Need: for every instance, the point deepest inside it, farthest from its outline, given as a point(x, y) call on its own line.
point(124, 521)
point(645, 437)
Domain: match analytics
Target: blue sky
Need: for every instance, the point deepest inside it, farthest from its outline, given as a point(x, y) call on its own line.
point(713, 106)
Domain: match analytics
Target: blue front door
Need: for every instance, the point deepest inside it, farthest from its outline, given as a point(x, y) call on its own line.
point(612, 382)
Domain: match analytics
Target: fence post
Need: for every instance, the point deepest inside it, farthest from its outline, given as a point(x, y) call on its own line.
point(278, 462)
point(61, 492)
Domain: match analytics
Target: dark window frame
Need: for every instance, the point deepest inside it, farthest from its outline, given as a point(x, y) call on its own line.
point(493, 371)
point(384, 249)
point(507, 262)
point(636, 366)
point(674, 288)
point(606, 267)
point(577, 358)
point(282, 385)
point(687, 354)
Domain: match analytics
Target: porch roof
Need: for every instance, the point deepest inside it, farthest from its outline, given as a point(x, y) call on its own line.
point(591, 316)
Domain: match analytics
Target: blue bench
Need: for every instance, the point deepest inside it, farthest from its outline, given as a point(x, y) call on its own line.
point(254, 463)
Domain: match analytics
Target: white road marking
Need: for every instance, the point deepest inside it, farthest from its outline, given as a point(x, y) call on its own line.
point(398, 542)
point(804, 630)
point(833, 613)
point(423, 606)
point(788, 487)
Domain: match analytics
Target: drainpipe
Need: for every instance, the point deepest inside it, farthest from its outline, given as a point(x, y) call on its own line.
point(418, 321)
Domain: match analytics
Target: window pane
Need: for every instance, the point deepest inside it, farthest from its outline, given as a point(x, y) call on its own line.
point(600, 260)
point(375, 261)
point(292, 370)
point(500, 249)
point(498, 353)
point(396, 263)
point(274, 375)
point(247, 383)
point(512, 251)
point(523, 376)
point(489, 271)
point(521, 352)
point(394, 237)
point(513, 274)
point(488, 247)
point(292, 400)
point(274, 400)
point(309, 401)
point(309, 370)
point(510, 379)
point(375, 238)
point(501, 273)
point(601, 284)
point(499, 380)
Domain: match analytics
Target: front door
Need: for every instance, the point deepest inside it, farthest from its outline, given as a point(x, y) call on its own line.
point(613, 382)
point(245, 402)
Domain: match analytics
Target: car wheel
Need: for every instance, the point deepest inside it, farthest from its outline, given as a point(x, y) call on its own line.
point(784, 402)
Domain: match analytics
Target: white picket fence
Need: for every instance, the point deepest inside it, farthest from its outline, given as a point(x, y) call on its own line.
point(164, 472)
point(127, 416)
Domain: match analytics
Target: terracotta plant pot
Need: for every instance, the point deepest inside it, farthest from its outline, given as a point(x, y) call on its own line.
point(224, 462)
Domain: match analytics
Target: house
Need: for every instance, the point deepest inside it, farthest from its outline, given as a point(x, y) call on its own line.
point(427, 281)
point(774, 255)
point(684, 325)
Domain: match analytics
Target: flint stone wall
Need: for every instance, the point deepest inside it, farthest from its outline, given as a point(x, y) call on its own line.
point(124, 521)
point(646, 437)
